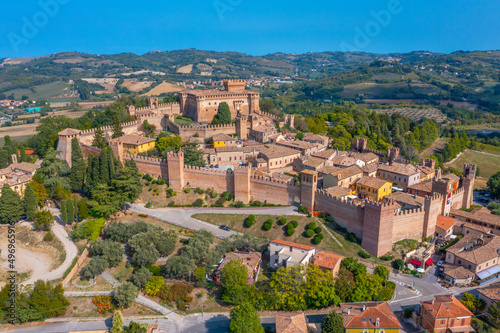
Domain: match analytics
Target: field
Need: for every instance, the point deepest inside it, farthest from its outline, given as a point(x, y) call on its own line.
point(185, 69)
point(417, 114)
point(487, 163)
point(55, 91)
point(371, 89)
point(135, 85)
point(107, 83)
point(164, 87)
point(25, 131)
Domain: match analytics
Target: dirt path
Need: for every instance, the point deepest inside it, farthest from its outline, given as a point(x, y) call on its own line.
point(26, 261)
point(435, 147)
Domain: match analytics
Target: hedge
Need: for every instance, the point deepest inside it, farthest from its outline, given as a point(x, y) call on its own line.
point(364, 254)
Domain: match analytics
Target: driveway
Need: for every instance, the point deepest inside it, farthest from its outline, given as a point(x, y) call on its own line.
point(183, 216)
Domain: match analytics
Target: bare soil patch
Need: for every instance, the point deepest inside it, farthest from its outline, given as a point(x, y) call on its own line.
point(164, 87)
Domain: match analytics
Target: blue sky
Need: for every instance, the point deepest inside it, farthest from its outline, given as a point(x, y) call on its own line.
point(39, 27)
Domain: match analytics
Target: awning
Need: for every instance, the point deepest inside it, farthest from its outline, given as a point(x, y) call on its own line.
point(416, 262)
point(488, 272)
point(429, 262)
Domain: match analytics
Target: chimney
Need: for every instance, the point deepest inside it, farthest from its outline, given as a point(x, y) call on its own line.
point(348, 312)
point(364, 307)
point(377, 321)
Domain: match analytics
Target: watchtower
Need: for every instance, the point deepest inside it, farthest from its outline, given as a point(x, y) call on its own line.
point(360, 145)
point(308, 185)
point(392, 153)
point(153, 102)
point(468, 179)
point(378, 223)
point(234, 85)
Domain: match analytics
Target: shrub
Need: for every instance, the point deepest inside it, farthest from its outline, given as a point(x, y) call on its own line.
point(322, 215)
point(103, 304)
point(171, 204)
point(311, 225)
point(386, 257)
point(364, 254)
point(294, 223)
point(162, 182)
point(155, 270)
point(88, 230)
point(318, 230)
point(282, 221)
point(149, 204)
point(213, 194)
point(290, 226)
point(187, 190)
point(143, 215)
point(226, 196)
point(248, 223)
point(290, 232)
point(251, 218)
point(239, 204)
point(330, 219)
point(320, 236)
point(309, 233)
point(316, 240)
point(352, 237)
point(178, 291)
point(198, 203)
point(270, 221)
point(257, 203)
point(49, 236)
point(200, 191)
point(147, 177)
point(154, 285)
point(303, 210)
point(267, 226)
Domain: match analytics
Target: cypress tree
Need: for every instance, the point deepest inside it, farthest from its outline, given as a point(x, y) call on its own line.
point(111, 164)
point(95, 171)
point(77, 175)
point(99, 140)
point(83, 209)
point(22, 156)
point(104, 167)
point(64, 212)
point(89, 181)
point(30, 202)
point(11, 205)
point(71, 211)
point(75, 207)
point(117, 129)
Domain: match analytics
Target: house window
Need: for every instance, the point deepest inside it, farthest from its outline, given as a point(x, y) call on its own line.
point(460, 262)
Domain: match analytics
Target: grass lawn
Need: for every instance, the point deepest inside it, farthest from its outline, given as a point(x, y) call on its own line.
point(487, 163)
point(121, 272)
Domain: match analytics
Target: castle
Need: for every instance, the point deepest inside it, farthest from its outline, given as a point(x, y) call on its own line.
point(378, 224)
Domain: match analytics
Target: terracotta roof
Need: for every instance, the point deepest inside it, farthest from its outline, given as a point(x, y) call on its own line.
point(133, 139)
point(325, 154)
point(365, 315)
point(27, 151)
point(479, 228)
point(371, 182)
point(343, 161)
point(399, 168)
point(425, 170)
point(313, 162)
point(481, 217)
point(294, 322)
point(328, 169)
point(406, 198)
point(446, 306)
point(222, 137)
point(369, 168)
point(365, 157)
point(338, 191)
point(445, 222)
point(274, 151)
point(347, 172)
point(451, 176)
point(327, 260)
point(299, 246)
point(476, 248)
point(492, 291)
point(297, 144)
point(311, 137)
point(25, 166)
point(69, 131)
point(458, 272)
point(424, 186)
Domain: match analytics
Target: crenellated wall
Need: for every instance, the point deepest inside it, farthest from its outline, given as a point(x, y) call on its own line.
point(458, 198)
point(219, 180)
point(408, 224)
point(203, 131)
point(86, 150)
point(273, 191)
point(152, 166)
point(87, 136)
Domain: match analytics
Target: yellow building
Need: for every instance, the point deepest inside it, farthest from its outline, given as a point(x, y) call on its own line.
point(370, 187)
point(17, 176)
point(369, 317)
point(223, 140)
point(135, 144)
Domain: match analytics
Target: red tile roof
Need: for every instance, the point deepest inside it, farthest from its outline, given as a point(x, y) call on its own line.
point(299, 246)
point(445, 222)
point(446, 306)
point(327, 260)
point(365, 315)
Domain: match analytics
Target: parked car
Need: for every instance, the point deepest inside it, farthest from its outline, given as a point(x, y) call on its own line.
point(225, 227)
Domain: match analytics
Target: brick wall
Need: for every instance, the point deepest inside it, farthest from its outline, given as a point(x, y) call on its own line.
point(150, 166)
point(77, 266)
point(86, 150)
point(408, 224)
point(273, 191)
point(220, 181)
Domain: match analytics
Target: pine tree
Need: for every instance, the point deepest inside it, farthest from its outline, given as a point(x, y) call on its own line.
point(11, 205)
point(77, 175)
point(30, 202)
point(104, 167)
point(64, 212)
point(71, 211)
point(117, 129)
point(99, 140)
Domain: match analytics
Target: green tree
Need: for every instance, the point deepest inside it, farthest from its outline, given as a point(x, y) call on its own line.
point(141, 276)
point(64, 211)
point(200, 273)
point(126, 294)
point(71, 211)
point(234, 281)
point(30, 202)
point(83, 209)
point(99, 140)
point(127, 185)
point(494, 313)
point(145, 255)
point(245, 319)
point(77, 174)
point(149, 129)
point(332, 323)
point(104, 168)
point(22, 155)
point(43, 219)
point(345, 284)
point(48, 301)
point(223, 115)
point(117, 129)
point(168, 143)
point(287, 286)
point(382, 271)
point(11, 205)
point(494, 185)
point(192, 155)
point(53, 171)
point(111, 164)
point(109, 250)
point(40, 192)
point(118, 322)
point(154, 285)
point(319, 288)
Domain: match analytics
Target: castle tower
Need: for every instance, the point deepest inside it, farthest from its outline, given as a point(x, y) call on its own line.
point(290, 120)
point(308, 186)
point(117, 148)
point(378, 223)
point(175, 164)
point(429, 162)
point(234, 85)
point(131, 111)
point(153, 102)
point(392, 153)
point(242, 185)
point(64, 143)
point(433, 206)
point(469, 177)
point(241, 127)
point(360, 145)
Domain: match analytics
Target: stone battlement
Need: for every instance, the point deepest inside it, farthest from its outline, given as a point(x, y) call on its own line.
point(91, 131)
point(409, 212)
point(208, 170)
point(337, 200)
point(144, 158)
point(274, 181)
point(160, 106)
point(206, 126)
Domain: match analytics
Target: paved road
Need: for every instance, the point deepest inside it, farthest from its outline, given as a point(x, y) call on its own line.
point(183, 216)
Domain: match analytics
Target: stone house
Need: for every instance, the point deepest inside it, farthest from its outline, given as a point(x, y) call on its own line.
point(445, 314)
